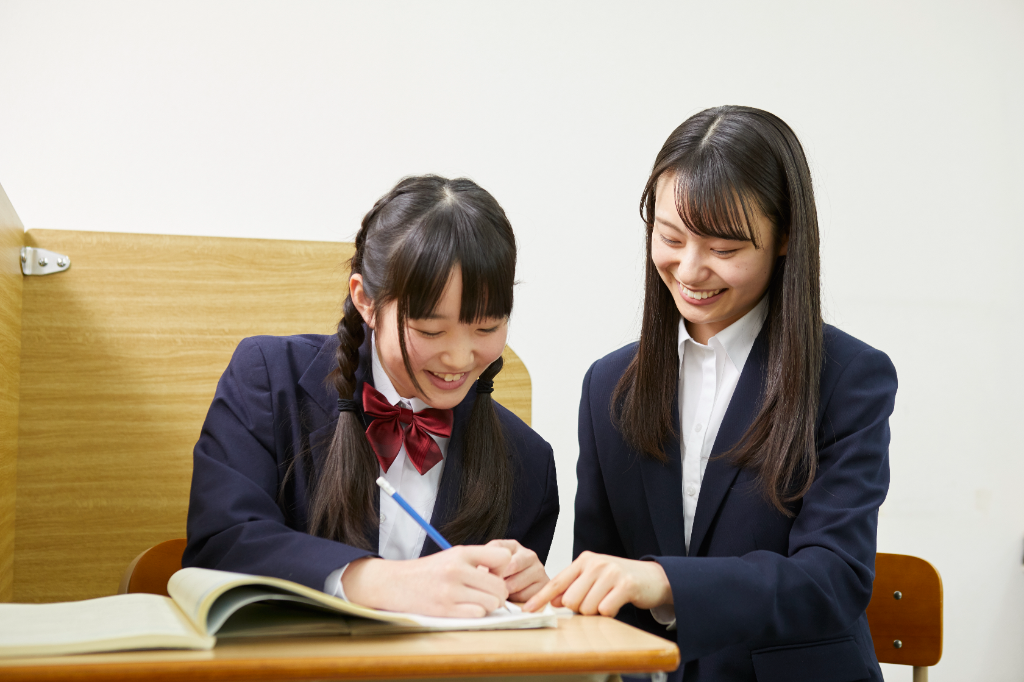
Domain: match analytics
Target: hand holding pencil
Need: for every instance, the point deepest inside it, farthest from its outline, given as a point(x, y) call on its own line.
point(524, 575)
point(459, 582)
point(447, 583)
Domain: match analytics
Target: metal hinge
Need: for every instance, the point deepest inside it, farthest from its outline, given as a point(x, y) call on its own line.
point(42, 262)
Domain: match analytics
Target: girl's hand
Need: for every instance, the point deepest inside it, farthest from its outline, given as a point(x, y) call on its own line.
point(524, 575)
point(461, 582)
point(602, 584)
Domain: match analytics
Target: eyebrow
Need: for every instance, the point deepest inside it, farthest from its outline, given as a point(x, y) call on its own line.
point(683, 230)
point(664, 222)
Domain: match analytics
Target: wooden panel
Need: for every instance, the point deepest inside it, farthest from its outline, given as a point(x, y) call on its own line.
point(12, 238)
point(581, 644)
point(120, 358)
point(915, 619)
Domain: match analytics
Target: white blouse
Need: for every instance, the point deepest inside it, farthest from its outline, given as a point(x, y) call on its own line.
point(707, 379)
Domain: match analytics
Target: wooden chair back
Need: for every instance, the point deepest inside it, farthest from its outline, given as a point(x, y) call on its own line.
point(120, 357)
point(151, 569)
point(905, 613)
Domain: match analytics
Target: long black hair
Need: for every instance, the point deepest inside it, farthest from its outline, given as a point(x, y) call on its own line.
point(406, 250)
point(729, 162)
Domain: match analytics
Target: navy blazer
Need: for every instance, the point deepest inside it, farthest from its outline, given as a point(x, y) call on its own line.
point(274, 402)
point(759, 596)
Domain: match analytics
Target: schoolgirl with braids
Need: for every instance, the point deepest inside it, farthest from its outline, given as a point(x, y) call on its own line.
point(301, 427)
point(732, 462)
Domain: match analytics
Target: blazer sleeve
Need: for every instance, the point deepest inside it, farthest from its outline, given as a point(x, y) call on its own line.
point(541, 531)
point(234, 521)
point(824, 584)
point(594, 525)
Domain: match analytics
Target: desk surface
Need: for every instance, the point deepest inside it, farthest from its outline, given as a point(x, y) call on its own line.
point(579, 645)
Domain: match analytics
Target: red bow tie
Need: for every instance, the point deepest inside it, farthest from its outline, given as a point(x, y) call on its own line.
point(386, 433)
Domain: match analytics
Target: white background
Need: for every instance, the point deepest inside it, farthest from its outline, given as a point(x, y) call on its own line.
point(288, 119)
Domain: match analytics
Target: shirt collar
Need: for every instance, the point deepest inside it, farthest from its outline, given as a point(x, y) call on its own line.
point(737, 339)
point(382, 382)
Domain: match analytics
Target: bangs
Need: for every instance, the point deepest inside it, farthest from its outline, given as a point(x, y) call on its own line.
point(450, 236)
point(711, 204)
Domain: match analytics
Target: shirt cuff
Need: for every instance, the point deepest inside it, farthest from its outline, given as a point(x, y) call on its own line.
point(665, 614)
point(333, 586)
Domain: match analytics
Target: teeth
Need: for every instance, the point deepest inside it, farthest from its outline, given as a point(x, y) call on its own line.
point(700, 295)
point(449, 377)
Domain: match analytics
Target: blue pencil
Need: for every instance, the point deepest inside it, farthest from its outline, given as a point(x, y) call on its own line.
point(431, 531)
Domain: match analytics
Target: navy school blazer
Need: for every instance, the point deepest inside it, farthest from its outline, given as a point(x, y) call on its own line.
point(274, 401)
point(759, 596)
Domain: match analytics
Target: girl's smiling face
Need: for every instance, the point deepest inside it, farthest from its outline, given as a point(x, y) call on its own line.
point(446, 355)
point(713, 281)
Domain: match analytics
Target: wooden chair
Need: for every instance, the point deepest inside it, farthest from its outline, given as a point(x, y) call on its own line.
point(150, 571)
point(905, 613)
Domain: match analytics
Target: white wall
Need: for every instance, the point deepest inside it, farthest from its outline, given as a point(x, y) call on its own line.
point(287, 120)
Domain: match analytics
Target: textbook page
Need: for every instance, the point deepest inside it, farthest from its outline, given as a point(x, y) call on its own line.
point(210, 597)
point(126, 621)
point(277, 619)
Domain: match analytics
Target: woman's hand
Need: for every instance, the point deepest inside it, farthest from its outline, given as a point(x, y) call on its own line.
point(598, 583)
point(524, 575)
point(461, 582)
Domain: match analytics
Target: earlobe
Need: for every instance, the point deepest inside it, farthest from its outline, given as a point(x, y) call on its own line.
point(360, 300)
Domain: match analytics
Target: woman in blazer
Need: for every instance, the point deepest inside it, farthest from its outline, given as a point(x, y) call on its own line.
point(733, 461)
point(301, 427)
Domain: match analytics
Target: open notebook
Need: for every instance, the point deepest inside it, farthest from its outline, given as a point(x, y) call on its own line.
point(207, 604)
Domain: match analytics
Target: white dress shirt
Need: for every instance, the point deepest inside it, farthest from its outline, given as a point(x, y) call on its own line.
point(400, 536)
point(707, 379)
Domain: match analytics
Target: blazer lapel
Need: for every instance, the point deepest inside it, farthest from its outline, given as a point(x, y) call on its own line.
point(720, 472)
point(447, 501)
point(663, 485)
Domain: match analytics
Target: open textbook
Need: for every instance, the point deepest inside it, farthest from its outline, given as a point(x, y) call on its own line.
point(207, 604)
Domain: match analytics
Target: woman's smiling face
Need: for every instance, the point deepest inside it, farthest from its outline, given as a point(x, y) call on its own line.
point(446, 355)
point(713, 281)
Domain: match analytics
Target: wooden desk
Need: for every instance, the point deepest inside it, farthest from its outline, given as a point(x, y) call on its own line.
point(578, 646)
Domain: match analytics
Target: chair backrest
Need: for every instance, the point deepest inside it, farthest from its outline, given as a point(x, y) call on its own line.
point(150, 571)
point(120, 356)
point(905, 613)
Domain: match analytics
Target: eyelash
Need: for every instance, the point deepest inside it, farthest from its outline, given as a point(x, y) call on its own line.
point(717, 252)
point(431, 335)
